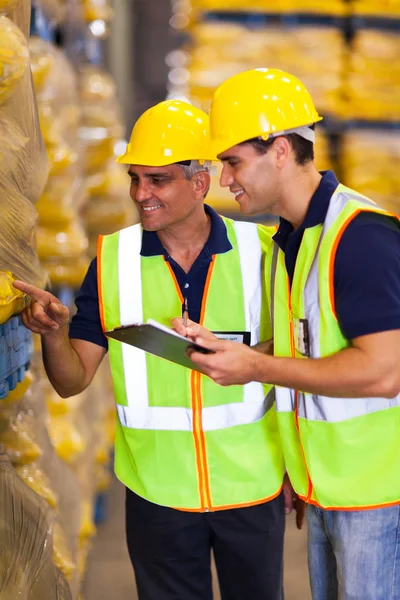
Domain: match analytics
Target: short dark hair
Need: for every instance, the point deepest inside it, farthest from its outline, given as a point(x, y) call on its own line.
point(303, 149)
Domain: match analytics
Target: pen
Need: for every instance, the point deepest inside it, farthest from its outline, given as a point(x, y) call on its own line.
point(185, 311)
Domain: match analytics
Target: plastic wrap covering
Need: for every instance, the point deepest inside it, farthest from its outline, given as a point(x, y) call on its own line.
point(373, 86)
point(27, 570)
point(110, 207)
point(62, 241)
point(215, 55)
point(23, 163)
point(26, 441)
point(376, 8)
point(101, 124)
point(370, 165)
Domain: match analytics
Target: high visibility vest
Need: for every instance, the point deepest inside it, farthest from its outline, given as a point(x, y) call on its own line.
point(182, 440)
point(339, 452)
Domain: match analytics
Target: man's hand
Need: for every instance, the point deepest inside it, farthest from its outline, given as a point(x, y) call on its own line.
point(192, 330)
point(292, 501)
point(45, 313)
point(231, 363)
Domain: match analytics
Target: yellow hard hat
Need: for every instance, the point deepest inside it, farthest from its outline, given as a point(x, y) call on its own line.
point(170, 132)
point(260, 103)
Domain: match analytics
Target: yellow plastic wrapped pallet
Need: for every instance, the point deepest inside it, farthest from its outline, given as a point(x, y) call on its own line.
point(376, 8)
point(14, 57)
point(101, 120)
point(23, 163)
point(67, 438)
point(373, 76)
point(369, 164)
point(18, 434)
point(62, 242)
point(27, 570)
point(215, 55)
point(110, 207)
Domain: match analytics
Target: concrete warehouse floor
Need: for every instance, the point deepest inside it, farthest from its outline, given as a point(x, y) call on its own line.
point(110, 574)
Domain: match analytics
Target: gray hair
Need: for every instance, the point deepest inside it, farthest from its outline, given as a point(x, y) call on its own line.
point(195, 167)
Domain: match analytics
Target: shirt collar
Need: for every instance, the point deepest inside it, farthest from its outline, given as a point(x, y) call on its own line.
point(217, 242)
point(317, 208)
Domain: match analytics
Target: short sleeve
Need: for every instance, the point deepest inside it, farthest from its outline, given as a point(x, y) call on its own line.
point(367, 276)
point(86, 323)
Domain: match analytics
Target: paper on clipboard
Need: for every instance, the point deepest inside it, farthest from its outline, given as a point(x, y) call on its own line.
point(155, 338)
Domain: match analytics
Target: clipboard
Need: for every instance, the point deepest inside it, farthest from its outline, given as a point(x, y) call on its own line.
point(155, 338)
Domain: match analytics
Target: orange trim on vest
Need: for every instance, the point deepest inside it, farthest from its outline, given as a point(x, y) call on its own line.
point(178, 289)
point(99, 282)
point(334, 248)
point(197, 405)
point(350, 508)
point(230, 506)
point(197, 443)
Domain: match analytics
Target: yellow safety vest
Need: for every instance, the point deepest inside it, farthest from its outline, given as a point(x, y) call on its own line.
point(183, 441)
point(339, 452)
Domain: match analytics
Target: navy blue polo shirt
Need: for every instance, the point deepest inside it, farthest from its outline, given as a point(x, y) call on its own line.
point(367, 264)
point(86, 324)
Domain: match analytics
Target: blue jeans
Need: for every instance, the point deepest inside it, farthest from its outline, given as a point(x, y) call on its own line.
point(354, 555)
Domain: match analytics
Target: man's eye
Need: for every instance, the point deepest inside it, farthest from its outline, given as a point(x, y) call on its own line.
point(134, 181)
point(157, 181)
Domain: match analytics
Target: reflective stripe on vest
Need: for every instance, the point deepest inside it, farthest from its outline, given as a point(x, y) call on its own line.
point(339, 452)
point(138, 414)
point(182, 440)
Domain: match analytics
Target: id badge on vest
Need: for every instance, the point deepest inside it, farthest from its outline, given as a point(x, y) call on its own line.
point(301, 336)
point(242, 337)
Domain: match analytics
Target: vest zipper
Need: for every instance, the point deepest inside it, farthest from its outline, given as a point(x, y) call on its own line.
point(197, 406)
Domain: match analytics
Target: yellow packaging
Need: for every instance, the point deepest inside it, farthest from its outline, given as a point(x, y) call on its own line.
point(38, 482)
point(12, 301)
point(14, 57)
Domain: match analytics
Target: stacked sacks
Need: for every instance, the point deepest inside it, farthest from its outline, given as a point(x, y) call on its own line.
point(110, 207)
point(215, 54)
point(373, 76)
point(27, 569)
point(370, 160)
point(107, 184)
point(26, 442)
point(62, 242)
point(23, 163)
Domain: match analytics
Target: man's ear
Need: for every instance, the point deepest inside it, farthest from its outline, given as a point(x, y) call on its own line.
point(202, 182)
point(282, 148)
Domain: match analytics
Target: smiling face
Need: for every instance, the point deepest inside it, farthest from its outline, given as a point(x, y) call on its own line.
point(164, 197)
point(253, 178)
